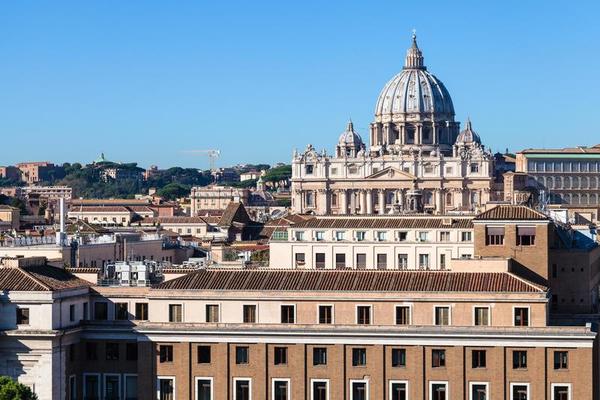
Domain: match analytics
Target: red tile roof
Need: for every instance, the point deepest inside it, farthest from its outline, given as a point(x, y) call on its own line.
point(38, 278)
point(509, 212)
point(351, 280)
point(386, 222)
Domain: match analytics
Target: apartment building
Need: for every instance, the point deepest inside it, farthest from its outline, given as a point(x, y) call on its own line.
point(39, 171)
point(373, 242)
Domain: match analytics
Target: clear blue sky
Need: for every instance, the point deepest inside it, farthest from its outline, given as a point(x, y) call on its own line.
point(144, 80)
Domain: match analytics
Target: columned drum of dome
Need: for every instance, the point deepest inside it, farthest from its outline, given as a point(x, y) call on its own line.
point(414, 109)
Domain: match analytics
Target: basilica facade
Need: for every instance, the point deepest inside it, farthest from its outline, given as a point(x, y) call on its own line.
point(418, 160)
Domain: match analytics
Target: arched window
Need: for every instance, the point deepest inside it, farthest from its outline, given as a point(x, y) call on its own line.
point(448, 199)
point(409, 134)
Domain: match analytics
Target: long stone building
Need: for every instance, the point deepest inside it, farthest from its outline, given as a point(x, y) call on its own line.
point(417, 159)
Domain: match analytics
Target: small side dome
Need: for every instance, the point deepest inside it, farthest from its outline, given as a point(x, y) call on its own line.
point(350, 143)
point(468, 135)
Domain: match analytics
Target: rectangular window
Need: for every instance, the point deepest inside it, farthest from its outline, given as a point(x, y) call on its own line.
point(320, 236)
point(402, 315)
point(466, 236)
point(203, 354)
point(72, 312)
point(91, 351)
point(308, 169)
point(340, 235)
point(131, 351)
point(521, 316)
point(494, 236)
point(112, 351)
point(519, 391)
point(212, 313)
point(359, 357)
point(249, 311)
point(442, 261)
point(166, 388)
point(381, 261)
point(175, 313)
point(320, 260)
point(398, 357)
point(72, 388)
point(85, 311)
point(361, 235)
point(478, 358)
point(525, 235)
point(281, 389)
point(325, 314)
point(442, 315)
point(363, 315)
point(398, 390)
point(300, 259)
point(474, 168)
point(438, 358)
point(320, 390)
point(361, 261)
point(121, 311)
point(22, 316)
point(242, 389)
point(204, 389)
point(381, 236)
point(402, 236)
point(141, 311)
point(482, 317)
point(241, 354)
point(288, 314)
point(519, 359)
point(422, 237)
point(91, 386)
point(424, 261)
point(340, 260)
point(479, 391)
point(561, 360)
point(299, 235)
point(281, 355)
point(319, 356)
point(166, 353)
point(438, 391)
point(359, 390)
point(101, 311)
point(444, 236)
point(561, 391)
point(402, 261)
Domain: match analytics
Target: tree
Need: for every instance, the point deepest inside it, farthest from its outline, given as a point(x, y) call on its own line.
point(13, 390)
point(173, 191)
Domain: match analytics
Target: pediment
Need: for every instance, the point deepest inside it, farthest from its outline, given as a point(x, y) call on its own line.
point(391, 173)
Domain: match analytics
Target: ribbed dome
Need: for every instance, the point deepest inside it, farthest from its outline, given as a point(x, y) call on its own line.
point(414, 90)
point(350, 137)
point(468, 135)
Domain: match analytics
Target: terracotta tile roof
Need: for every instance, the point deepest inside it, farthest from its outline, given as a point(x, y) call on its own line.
point(111, 209)
point(351, 280)
point(235, 212)
point(109, 202)
point(509, 212)
point(38, 278)
point(175, 220)
point(388, 222)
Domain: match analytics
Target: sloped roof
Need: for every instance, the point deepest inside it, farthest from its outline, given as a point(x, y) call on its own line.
point(351, 280)
point(386, 222)
point(235, 212)
point(38, 278)
point(510, 212)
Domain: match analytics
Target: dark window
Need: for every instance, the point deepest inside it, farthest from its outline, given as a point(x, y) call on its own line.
point(242, 389)
point(175, 313)
point(520, 392)
point(280, 355)
point(85, 311)
point(398, 391)
point(249, 313)
point(359, 357)
point(72, 352)
point(320, 260)
point(287, 314)
point(112, 351)
point(131, 351)
point(91, 351)
point(280, 390)
point(482, 316)
point(72, 312)
point(361, 261)
point(101, 311)
point(203, 354)
point(439, 391)
point(479, 392)
point(300, 259)
point(212, 313)
point(494, 235)
point(359, 391)
point(438, 358)
point(519, 359)
point(141, 311)
point(166, 353)
point(204, 389)
point(241, 355)
point(442, 315)
point(561, 392)
point(166, 389)
point(381, 261)
point(478, 358)
point(561, 360)
point(325, 314)
point(22, 316)
point(319, 390)
point(308, 169)
point(525, 236)
point(363, 315)
point(398, 357)
point(121, 311)
point(402, 315)
point(521, 316)
point(340, 260)
point(403, 260)
point(319, 356)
